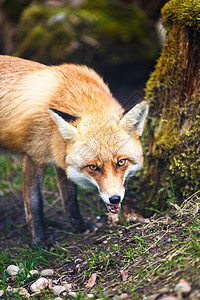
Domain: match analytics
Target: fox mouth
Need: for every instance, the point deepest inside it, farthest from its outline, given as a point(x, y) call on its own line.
point(114, 208)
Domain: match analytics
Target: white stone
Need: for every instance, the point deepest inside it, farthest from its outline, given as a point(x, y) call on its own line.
point(24, 292)
point(68, 286)
point(32, 272)
point(39, 285)
point(164, 290)
point(12, 270)
point(47, 272)
point(58, 289)
point(124, 296)
point(72, 294)
point(183, 287)
point(1, 293)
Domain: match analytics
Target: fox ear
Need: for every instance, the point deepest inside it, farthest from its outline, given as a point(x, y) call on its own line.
point(62, 120)
point(134, 118)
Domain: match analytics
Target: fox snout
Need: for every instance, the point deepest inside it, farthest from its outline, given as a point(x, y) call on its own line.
point(115, 205)
point(115, 199)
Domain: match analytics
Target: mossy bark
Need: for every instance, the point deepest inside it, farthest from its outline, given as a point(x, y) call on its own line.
point(171, 141)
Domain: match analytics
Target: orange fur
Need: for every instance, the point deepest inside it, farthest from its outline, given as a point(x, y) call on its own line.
point(28, 89)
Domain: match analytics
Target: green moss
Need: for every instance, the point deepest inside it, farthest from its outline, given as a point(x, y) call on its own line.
point(184, 12)
point(33, 42)
point(171, 139)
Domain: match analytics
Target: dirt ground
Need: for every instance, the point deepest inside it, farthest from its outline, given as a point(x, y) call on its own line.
point(13, 223)
point(13, 227)
point(157, 236)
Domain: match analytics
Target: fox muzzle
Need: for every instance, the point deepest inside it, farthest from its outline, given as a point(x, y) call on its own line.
point(115, 199)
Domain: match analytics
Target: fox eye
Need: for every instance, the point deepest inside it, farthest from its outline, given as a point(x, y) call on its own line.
point(93, 167)
point(121, 162)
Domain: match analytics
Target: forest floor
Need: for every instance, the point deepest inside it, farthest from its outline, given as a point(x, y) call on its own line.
point(128, 257)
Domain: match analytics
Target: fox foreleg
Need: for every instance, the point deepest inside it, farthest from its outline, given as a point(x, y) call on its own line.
point(33, 176)
point(68, 193)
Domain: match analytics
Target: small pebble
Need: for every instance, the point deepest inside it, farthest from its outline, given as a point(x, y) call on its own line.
point(58, 298)
point(90, 295)
point(58, 289)
point(68, 286)
point(47, 272)
point(123, 296)
point(39, 285)
point(32, 273)
point(164, 290)
point(12, 270)
point(1, 293)
point(72, 294)
point(183, 287)
point(24, 292)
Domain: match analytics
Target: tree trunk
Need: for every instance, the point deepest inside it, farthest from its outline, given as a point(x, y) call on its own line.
point(6, 45)
point(171, 141)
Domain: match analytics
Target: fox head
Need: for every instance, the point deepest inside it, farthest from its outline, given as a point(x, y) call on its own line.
point(105, 151)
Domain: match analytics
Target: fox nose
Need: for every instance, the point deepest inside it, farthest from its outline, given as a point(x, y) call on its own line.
point(114, 199)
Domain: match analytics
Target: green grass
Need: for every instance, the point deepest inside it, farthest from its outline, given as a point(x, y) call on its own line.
point(11, 175)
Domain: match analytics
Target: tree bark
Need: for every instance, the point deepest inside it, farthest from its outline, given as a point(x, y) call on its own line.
point(6, 45)
point(171, 141)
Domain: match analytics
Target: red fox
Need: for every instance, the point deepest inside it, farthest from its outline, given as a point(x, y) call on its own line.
point(66, 116)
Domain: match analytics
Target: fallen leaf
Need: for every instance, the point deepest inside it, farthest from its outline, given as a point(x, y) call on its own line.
point(91, 281)
point(196, 209)
point(124, 275)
